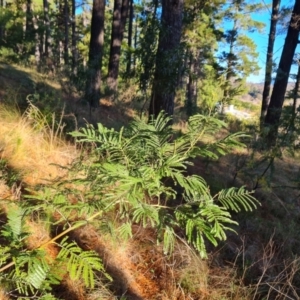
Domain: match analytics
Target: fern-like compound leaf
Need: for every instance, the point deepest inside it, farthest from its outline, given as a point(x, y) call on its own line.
point(125, 230)
point(38, 269)
point(14, 228)
point(80, 264)
point(169, 240)
point(237, 199)
point(146, 214)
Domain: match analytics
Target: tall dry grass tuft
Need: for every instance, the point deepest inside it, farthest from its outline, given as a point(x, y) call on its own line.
point(5, 192)
point(3, 295)
point(32, 146)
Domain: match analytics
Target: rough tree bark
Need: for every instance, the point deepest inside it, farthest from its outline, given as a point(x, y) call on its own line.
point(48, 59)
point(130, 28)
point(135, 41)
point(48, 49)
point(191, 99)
point(295, 100)
point(121, 8)
point(167, 58)
point(74, 40)
point(2, 5)
point(95, 54)
point(29, 29)
point(230, 60)
point(277, 98)
point(37, 47)
point(66, 25)
point(269, 61)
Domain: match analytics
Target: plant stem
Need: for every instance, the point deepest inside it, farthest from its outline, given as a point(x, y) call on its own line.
point(75, 226)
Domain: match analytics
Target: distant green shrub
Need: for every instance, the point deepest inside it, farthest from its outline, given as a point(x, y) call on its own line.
point(8, 55)
point(243, 105)
point(248, 126)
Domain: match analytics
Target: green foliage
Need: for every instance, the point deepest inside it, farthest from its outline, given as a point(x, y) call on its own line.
point(140, 173)
point(239, 60)
point(8, 55)
point(232, 90)
point(254, 91)
point(210, 92)
point(7, 174)
point(14, 230)
point(31, 272)
point(247, 106)
point(80, 264)
point(289, 129)
point(250, 126)
point(146, 50)
point(231, 199)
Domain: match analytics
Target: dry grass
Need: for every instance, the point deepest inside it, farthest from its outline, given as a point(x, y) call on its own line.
point(31, 147)
point(5, 192)
point(3, 295)
point(139, 268)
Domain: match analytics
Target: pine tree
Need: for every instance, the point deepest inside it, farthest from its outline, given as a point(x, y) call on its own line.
point(277, 98)
point(145, 44)
point(241, 58)
point(93, 82)
point(269, 60)
point(200, 36)
point(48, 55)
point(120, 14)
point(74, 39)
point(66, 13)
point(167, 58)
point(2, 32)
point(130, 31)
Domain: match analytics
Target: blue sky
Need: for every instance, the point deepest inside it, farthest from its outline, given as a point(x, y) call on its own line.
point(261, 39)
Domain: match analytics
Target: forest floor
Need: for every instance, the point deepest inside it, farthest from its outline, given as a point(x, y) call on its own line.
point(260, 262)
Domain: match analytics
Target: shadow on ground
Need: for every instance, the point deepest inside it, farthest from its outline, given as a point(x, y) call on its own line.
point(18, 85)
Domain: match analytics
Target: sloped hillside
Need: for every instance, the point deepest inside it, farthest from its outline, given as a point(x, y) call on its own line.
point(49, 204)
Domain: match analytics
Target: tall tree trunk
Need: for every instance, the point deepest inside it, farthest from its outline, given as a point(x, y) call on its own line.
point(84, 24)
point(130, 26)
point(295, 98)
point(269, 61)
point(74, 39)
point(119, 21)
point(29, 22)
point(230, 63)
point(135, 41)
point(48, 56)
point(66, 25)
point(60, 53)
point(95, 54)
point(40, 52)
point(48, 49)
point(148, 43)
point(167, 58)
point(191, 102)
point(282, 77)
point(1, 26)
point(37, 47)
point(183, 79)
